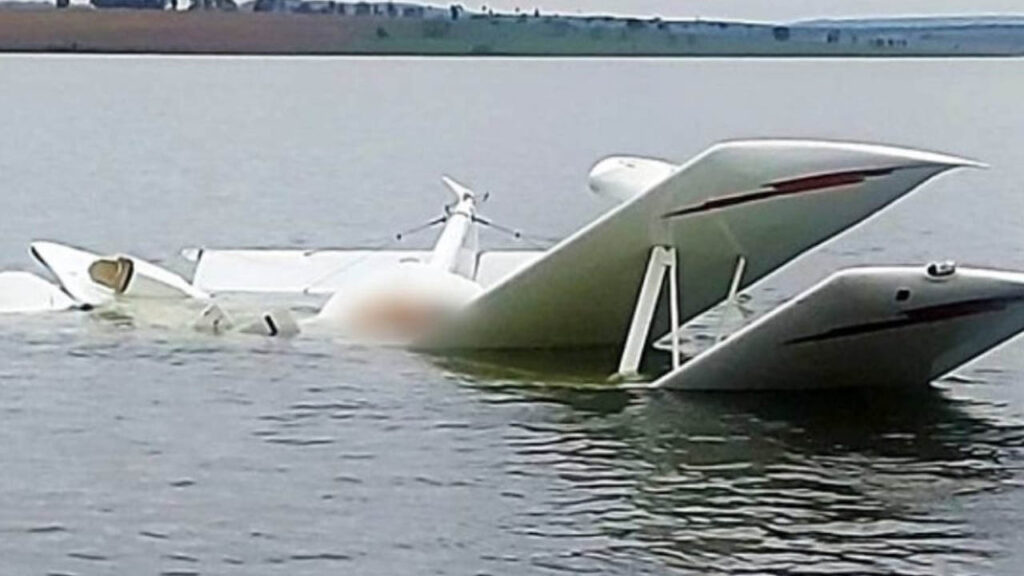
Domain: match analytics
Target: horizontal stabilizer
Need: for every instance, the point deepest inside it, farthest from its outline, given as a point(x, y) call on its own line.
point(765, 200)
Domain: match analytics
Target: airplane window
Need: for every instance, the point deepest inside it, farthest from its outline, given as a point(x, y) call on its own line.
point(902, 295)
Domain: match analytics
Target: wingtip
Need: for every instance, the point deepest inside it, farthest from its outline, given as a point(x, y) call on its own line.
point(900, 153)
point(948, 160)
point(970, 163)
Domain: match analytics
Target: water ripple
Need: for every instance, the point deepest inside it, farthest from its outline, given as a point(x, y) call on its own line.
point(710, 484)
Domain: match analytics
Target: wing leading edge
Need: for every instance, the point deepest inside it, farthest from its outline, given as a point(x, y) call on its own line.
point(764, 200)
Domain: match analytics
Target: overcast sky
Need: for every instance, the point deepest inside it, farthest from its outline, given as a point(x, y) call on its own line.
point(763, 9)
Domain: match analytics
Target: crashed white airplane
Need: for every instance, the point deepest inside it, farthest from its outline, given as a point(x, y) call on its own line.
point(708, 229)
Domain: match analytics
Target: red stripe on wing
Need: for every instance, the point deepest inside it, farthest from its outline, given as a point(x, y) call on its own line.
point(784, 188)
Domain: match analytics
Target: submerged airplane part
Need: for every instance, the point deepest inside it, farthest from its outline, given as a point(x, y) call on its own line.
point(94, 280)
point(766, 201)
point(214, 320)
point(24, 293)
point(707, 229)
point(878, 327)
point(274, 324)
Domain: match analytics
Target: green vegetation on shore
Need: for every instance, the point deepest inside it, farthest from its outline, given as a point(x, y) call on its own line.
point(329, 27)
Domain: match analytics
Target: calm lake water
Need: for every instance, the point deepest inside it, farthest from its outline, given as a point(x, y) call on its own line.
point(146, 451)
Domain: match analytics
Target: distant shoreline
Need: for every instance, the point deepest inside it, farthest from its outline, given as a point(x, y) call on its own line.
point(241, 33)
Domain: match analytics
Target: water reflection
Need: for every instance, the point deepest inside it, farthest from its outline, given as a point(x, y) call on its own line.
point(851, 482)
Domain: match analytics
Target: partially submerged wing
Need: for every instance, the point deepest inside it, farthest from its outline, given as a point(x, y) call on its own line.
point(908, 325)
point(325, 271)
point(765, 200)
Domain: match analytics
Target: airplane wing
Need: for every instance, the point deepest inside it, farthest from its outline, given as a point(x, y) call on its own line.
point(324, 271)
point(765, 200)
point(909, 325)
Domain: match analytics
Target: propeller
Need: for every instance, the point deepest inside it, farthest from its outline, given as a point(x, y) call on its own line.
point(462, 192)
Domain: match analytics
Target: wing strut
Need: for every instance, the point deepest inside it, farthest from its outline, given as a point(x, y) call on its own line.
point(732, 301)
point(663, 259)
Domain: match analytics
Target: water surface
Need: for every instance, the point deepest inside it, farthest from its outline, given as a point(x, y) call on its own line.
point(144, 451)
